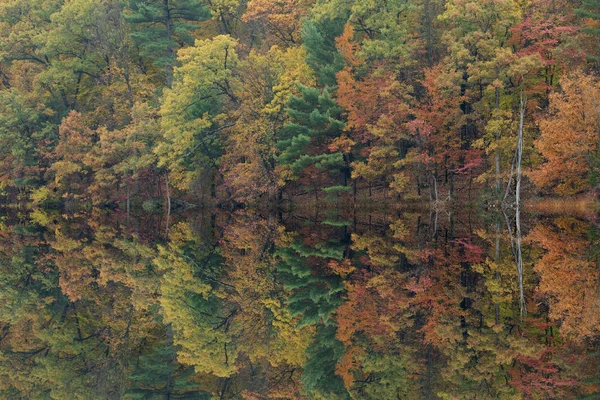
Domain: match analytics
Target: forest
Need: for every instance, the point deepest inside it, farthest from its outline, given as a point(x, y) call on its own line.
point(171, 103)
point(299, 199)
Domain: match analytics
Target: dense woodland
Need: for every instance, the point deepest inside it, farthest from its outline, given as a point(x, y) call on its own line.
point(109, 102)
point(299, 199)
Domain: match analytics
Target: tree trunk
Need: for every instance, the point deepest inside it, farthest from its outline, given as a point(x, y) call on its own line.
point(497, 137)
point(168, 204)
point(170, 50)
point(520, 149)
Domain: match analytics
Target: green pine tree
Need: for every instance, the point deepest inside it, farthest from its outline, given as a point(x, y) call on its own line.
point(316, 120)
point(322, 54)
point(591, 9)
point(165, 26)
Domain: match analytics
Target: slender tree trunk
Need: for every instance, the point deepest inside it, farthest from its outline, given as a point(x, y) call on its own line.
point(497, 137)
point(168, 204)
point(520, 149)
point(519, 249)
point(435, 189)
point(170, 50)
point(497, 260)
point(451, 191)
point(518, 158)
point(427, 25)
point(517, 205)
point(128, 207)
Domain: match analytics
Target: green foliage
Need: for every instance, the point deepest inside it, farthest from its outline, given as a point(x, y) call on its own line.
point(110, 104)
point(388, 27)
point(315, 118)
point(164, 26)
point(315, 298)
point(319, 379)
point(322, 54)
point(158, 375)
point(590, 9)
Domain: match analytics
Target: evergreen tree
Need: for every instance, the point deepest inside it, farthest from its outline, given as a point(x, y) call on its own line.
point(165, 27)
point(315, 297)
point(303, 142)
point(591, 9)
point(322, 54)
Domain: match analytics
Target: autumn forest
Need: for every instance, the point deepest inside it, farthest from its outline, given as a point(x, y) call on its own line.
point(299, 199)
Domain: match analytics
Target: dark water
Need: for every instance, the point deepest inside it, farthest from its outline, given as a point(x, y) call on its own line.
point(334, 304)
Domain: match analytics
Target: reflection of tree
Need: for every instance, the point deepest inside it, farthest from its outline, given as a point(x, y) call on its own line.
point(199, 319)
point(319, 378)
point(409, 308)
point(75, 343)
point(441, 310)
point(315, 297)
point(271, 348)
point(568, 272)
point(158, 376)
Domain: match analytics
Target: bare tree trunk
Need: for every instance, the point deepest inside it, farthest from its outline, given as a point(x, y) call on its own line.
point(497, 260)
point(515, 238)
point(168, 204)
point(518, 158)
point(519, 259)
point(520, 149)
point(498, 179)
point(427, 25)
point(516, 246)
point(435, 190)
point(518, 203)
point(128, 204)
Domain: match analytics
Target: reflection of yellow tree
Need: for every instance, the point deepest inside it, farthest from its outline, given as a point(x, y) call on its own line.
point(263, 324)
point(227, 313)
point(200, 324)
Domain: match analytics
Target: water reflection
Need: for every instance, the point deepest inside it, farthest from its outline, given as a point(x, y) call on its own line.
point(337, 304)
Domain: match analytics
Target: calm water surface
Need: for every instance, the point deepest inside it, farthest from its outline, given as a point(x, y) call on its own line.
point(334, 304)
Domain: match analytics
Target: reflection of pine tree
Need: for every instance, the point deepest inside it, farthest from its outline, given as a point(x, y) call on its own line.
point(319, 377)
point(315, 299)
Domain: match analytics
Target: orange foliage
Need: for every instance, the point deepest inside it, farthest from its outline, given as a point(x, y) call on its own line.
point(282, 19)
point(569, 136)
point(568, 276)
